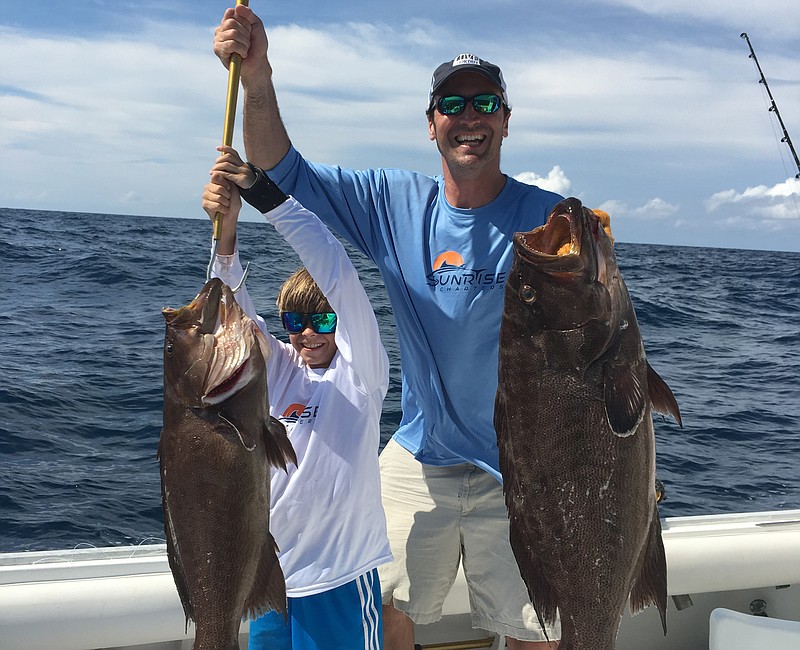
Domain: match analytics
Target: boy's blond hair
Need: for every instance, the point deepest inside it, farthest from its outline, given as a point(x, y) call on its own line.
point(300, 293)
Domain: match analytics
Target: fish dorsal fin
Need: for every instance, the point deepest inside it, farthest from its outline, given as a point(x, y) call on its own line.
point(650, 587)
point(624, 397)
point(277, 445)
point(661, 396)
point(269, 587)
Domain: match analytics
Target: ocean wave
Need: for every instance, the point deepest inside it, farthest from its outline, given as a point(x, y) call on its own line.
point(81, 397)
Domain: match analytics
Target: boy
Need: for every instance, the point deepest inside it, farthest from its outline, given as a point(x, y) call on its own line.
point(327, 386)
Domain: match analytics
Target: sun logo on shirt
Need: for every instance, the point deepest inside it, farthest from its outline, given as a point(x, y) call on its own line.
point(293, 412)
point(449, 258)
point(299, 413)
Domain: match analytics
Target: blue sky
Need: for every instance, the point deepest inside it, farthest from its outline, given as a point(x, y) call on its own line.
point(650, 109)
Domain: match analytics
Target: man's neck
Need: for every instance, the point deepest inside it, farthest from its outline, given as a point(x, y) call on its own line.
point(472, 190)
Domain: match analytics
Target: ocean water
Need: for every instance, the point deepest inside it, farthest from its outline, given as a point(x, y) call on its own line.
point(81, 369)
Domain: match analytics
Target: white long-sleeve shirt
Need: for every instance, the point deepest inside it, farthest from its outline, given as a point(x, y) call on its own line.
point(325, 514)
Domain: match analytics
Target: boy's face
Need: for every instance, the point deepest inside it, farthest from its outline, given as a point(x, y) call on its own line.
point(317, 350)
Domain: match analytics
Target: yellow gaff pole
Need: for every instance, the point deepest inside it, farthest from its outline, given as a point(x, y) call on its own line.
point(227, 137)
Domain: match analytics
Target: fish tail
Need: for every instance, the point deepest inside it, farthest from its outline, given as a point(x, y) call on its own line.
point(269, 587)
point(650, 587)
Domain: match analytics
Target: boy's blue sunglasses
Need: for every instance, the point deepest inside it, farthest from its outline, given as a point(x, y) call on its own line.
point(295, 322)
point(455, 104)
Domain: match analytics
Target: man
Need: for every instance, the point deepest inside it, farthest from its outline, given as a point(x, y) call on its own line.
point(443, 247)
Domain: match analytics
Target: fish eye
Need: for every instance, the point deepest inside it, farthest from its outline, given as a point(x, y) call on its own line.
point(527, 293)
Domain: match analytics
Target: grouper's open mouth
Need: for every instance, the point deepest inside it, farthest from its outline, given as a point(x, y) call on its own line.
point(557, 238)
point(570, 231)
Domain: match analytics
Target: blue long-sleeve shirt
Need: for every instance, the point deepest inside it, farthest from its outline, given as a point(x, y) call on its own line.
point(444, 269)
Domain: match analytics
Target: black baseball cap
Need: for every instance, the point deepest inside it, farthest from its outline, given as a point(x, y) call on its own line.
point(467, 63)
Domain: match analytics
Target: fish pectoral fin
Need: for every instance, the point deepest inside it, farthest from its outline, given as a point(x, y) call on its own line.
point(650, 587)
point(661, 396)
point(269, 588)
point(624, 397)
point(277, 444)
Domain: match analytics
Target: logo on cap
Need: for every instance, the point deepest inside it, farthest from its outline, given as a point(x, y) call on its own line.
point(466, 59)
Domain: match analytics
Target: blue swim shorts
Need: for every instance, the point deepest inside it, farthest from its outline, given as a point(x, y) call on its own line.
point(344, 618)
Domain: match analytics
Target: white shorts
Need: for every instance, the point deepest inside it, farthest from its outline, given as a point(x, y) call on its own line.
point(438, 516)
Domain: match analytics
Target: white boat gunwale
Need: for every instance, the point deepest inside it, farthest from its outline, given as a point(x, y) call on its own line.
point(125, 597)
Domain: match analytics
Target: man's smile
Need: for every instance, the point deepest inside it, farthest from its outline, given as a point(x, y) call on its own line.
point(470, 138)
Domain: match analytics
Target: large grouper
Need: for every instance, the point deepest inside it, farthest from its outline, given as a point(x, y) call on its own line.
point(216, 449)
point(575, 432)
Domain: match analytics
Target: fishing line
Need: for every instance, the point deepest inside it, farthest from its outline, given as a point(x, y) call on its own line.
point(781, 152)
point(773, 108)
point(774, 125)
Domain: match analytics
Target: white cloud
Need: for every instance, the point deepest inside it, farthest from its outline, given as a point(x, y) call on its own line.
point(615, 208)
point(555, 181)
point(664, 97)
point(739, 14)
point(130, 122)
point(96, 120)
point(786, 190)
point(656, 208)
point(759, 206)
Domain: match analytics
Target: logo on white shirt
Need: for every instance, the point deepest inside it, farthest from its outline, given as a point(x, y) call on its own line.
point(295, 413)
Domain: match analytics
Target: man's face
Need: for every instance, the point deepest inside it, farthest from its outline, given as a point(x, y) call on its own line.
point(469, 140)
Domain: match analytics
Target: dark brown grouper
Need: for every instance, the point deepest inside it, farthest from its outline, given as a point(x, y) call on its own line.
point(216, 447)
point(575, 433)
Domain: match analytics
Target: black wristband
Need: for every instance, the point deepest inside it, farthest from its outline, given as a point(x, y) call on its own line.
point(263, 195)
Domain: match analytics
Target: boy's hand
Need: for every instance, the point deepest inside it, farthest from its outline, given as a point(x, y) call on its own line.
point(231, 166)
point(220, 196)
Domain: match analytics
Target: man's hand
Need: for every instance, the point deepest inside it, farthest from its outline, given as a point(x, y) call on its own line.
point(242, 32)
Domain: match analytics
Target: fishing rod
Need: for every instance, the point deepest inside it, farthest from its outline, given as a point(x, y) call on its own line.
point(773, 106)
point(234, 71)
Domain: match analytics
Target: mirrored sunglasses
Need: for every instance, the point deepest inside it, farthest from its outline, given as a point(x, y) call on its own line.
point(455, 104)
point(295, 322)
